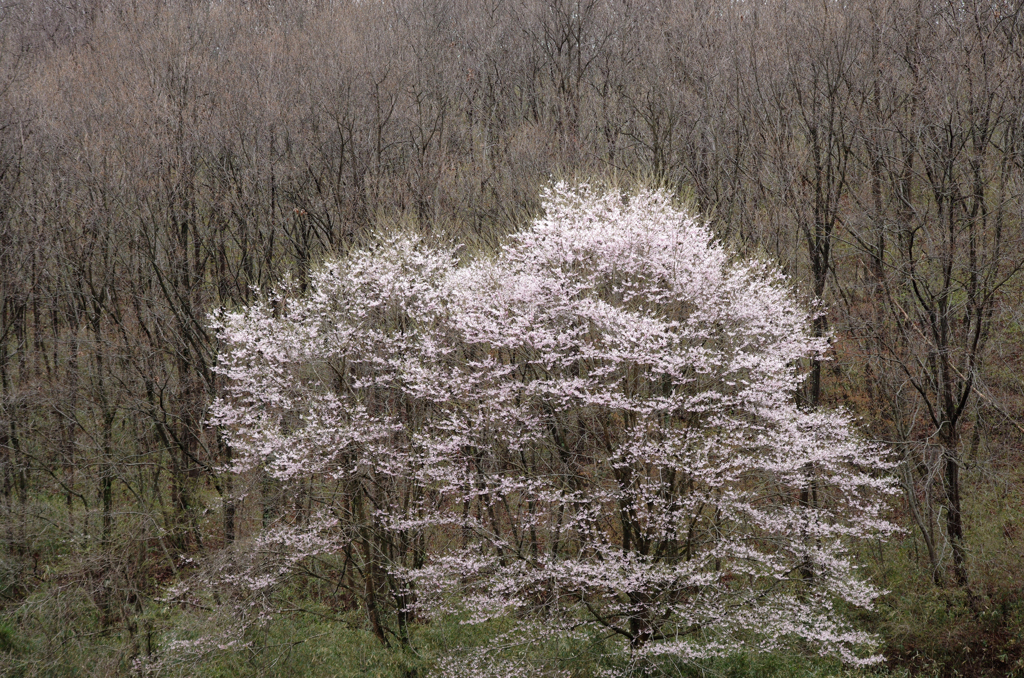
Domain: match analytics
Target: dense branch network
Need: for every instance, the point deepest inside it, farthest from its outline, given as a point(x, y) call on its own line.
point(595, 427)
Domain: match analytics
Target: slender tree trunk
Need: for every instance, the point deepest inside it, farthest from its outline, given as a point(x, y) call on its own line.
point(227, 487)
point(954, 515)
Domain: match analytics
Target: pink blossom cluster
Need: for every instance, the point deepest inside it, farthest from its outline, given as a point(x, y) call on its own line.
point(596, 427)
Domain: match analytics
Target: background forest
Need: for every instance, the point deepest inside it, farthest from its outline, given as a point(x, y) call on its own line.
point(162, 159)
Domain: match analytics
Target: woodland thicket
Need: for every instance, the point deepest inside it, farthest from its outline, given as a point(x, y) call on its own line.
point(160, 159)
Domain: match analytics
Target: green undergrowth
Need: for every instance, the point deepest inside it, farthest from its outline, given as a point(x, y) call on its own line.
point(306, 646)
point(311, 646)
point(930, 627)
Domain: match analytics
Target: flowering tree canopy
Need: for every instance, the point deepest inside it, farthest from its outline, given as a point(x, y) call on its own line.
point(596, 427)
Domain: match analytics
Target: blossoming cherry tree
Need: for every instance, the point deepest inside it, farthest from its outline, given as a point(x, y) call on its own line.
point(596, 427)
